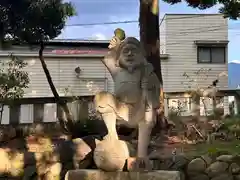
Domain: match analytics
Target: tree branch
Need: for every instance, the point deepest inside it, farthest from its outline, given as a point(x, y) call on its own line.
point(63, 104)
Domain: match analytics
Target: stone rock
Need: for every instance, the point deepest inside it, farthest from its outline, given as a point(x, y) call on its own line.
point(17, 163)
point(224, 176)
point(179, 162)
point(216, 168)
point(197, 165)
point(199, 177)
point(53, 171)
point(234, 168)
point(225, 158)
point(83, 151)
point(164, 164)
point(207, 159)
point(182, 175)
point(5, 161)
point(236, 159)
point(111, 155)
point(237, 177)
point(101, 175)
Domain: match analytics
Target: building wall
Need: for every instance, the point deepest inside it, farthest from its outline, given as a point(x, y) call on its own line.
point(163, 36)
point(94, 77)
point(180, 33)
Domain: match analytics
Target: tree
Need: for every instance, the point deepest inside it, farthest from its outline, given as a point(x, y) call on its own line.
point(13, 80)
point(66, 124)
point(29, 21)
point(35, 20)
point(150, 38)
point(229, 8)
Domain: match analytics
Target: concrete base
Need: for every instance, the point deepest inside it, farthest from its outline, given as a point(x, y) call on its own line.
point(100, 175)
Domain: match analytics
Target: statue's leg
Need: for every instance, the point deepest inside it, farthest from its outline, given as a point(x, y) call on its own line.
point(144, 136)
point(105, 104)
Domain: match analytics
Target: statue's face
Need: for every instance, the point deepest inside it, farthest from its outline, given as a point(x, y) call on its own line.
point(130, 56)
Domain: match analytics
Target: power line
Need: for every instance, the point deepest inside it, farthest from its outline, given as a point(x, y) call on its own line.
point(184, 32)
point(136, 21)
point(187, 33)
point(103, 23)
point(198, 30)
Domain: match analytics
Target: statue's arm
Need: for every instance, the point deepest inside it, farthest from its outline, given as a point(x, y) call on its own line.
point(109, 61)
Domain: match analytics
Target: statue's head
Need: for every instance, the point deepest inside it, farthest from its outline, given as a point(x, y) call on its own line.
point(130, 54)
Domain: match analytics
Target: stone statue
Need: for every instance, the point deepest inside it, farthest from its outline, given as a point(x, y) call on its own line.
point(137, 91)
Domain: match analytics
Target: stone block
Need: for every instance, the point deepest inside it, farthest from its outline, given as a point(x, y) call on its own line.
point(101, 175)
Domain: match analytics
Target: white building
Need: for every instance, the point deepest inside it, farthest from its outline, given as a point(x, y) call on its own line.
point(194, 42)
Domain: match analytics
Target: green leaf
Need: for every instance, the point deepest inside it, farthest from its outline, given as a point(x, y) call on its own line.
point(35, 20)
point(229, 8)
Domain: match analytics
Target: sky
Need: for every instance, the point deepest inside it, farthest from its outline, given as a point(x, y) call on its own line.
point(102, 11)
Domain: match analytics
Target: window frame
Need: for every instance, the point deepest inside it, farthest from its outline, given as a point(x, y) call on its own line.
point(210, 48)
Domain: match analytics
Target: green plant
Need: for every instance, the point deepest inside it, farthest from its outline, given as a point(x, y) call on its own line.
point(13, 80)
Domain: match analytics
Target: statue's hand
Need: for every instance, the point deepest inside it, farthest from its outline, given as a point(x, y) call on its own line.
point(114, 42)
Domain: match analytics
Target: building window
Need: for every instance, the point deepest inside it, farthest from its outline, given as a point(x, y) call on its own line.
point(215, 55)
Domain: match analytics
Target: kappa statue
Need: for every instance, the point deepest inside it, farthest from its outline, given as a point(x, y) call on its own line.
point(137, 89)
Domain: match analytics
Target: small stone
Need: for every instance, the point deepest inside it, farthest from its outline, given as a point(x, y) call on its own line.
point(199, 177)
point(224, 176)
point(216, 168)
point(234, 168)
point(197, 165)
point(225, 158)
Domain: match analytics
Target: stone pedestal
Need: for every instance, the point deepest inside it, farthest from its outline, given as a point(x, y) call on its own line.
point(101, 175)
